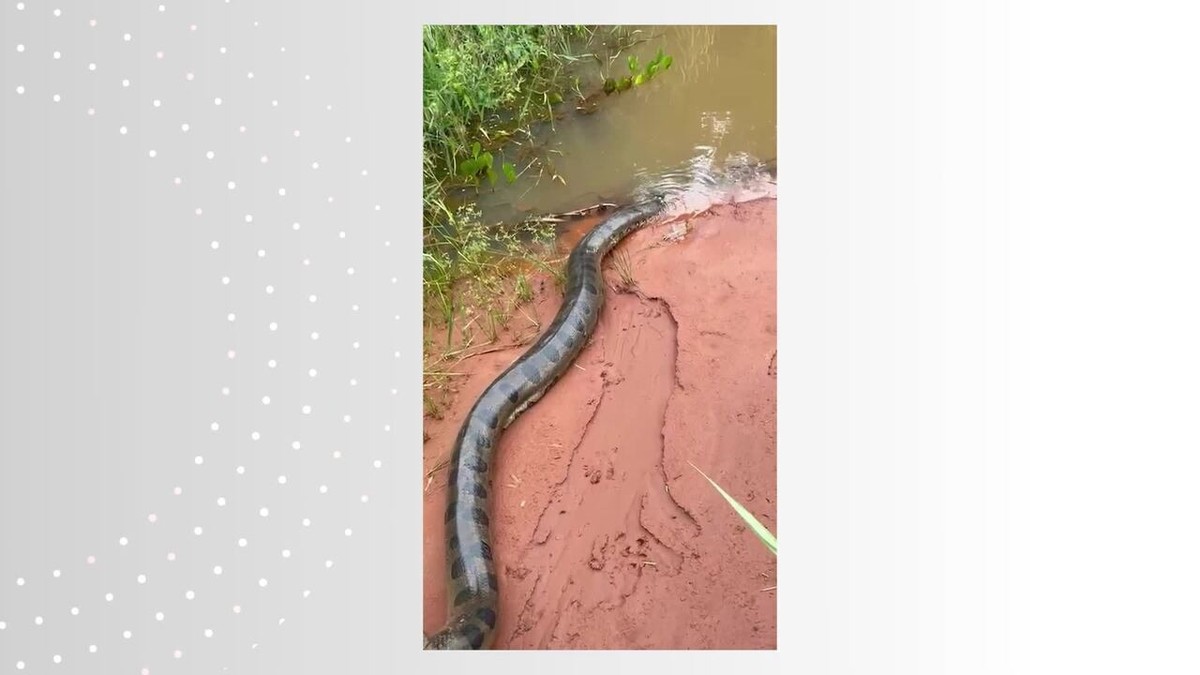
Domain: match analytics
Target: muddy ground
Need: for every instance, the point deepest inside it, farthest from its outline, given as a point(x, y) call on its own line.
point(604, 537)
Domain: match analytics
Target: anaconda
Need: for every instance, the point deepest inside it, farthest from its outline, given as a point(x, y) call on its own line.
point(473, 584)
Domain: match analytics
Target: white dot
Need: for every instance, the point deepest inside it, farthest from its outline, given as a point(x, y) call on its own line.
point(185, 126)
point(312, 372)
point(4, 625)
point(295, 445)
point(222, 50)
point(124, 83)
point(159, 616)
point(215, 244)
point(264, 512)
point(57, 658)
point(20, 581)
point(92, 67)
point(198, 530)
point(177, 491)
point(337, 454)
point(262, 253)
point(214, 426)
point(57, 55)
point(162, 8)
point(92, 648)
point(152, 518)
point(190, 77)
point(315, 165)
point(254, 435)
point(217, 570)
point(296, 133)
point(38, 620)
point(271, 364)
point(123, 130)
point(178, 180)
point(74, 611)
point(350, 271)
point(108, 597)
point(273, 326)
point(178, 654)
point(20, 665)
point(312, 298)
point(231, 185)
point(224, 391)
point(306, 522)
point(127, 37)
point(262, 583)
point(20, 6)
point(307, 593)
point(354, 383)
point(266, 400)
point(20, 48)
point(210, 154)
point(306, 409)
point(57, 12)
point(346, 418)
point(170, 556)
point(158, 55)
point(153, 154)
point(283, 480)
point(237, 609)
point(250, 75)
point(323, 489)
point(190, 595)
point(328, 564)
point(217, 101)
point(355, 343)
point(141, 578)
point(123, 541)
point(127, 634)
point(199, 460)
point(295, 226)
point(287, 553)
point(231, 317)
point(270, 289)
point(378, 464)
point(306, 261)
point(364, 499)
point(220, 501)
point(208, 632)
point(156, 103)
point(316, 335)
point(282, 192)
point(349, 532)
point(242, 542)
point(241, 470)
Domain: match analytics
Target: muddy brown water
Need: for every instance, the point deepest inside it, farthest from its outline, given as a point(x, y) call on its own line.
point(714, 108)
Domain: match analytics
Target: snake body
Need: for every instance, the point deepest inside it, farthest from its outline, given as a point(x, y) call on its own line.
point(473, 584)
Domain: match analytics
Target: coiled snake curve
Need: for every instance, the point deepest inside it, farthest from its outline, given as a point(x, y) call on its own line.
point(473, 585)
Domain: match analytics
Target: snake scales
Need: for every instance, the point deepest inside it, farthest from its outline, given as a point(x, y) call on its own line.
point(473, 585)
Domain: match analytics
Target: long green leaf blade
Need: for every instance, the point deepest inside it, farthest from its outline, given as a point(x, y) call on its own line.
point(763, 533)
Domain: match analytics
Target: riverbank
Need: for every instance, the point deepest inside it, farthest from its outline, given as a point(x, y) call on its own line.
point(604, 537)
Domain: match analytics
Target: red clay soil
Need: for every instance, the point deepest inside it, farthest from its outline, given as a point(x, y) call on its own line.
point(604, 537)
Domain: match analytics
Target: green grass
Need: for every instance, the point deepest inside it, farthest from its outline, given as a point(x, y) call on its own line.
point(764, 535)
point(484, 86)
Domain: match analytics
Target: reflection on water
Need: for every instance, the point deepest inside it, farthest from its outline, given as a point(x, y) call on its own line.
point(703, 130)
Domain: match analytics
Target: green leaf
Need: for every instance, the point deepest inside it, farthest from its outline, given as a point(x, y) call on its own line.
point(639, 79)
point(510, 172)
point(475, 149)
point(610, 85)
point(763, 533)
point(556, 98)
point(624, 84)
point(471, 167)
point(633, 64)
point(667, 62)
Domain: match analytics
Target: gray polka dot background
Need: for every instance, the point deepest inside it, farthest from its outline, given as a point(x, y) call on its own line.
point(200, 355)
